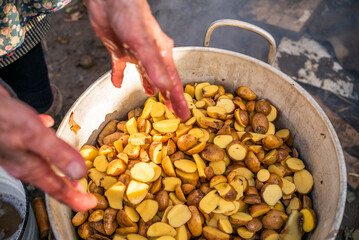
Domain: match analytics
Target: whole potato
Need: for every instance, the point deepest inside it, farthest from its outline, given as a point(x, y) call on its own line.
point(252, 162)
point(271, 141)
point(186, 141)
point(212, 153)
point(273, 220)
point(85, 231)
point(246, 93)
point(195, 197)
point(162, 199)
point(254, 225)
point(263, 106)
point(260, 123)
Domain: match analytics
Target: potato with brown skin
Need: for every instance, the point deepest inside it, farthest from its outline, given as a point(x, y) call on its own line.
point(162, 199)
point(123, 219)
point(188, 188)
point(275, 179)
point(282, 154)
point(110, 128)
point(109, 221)
point(143, 227)
point(271, 157)
point(307, 202)
point(274, 219)
point(241, 117)
point(212, 153)
point(194, 224)
point(212, 233)
point(195, 197)
point(127, 230)
point(85, 231)
point(93, 188)
point(252, 162)
point(252, 199)
point(271, 141)
point(269, 234)
point(171, 147)
point(246, 93)
point(205, 188)
point(116, 167)
point(110, 139)
point(186, 142)
point(125, 179)
point(260, 123)
point(237, 150)
point(96, 216)
point(98, 226)
point(254, 225)
point(259, 209)
point(176, 156)
point(208, 171)
point(79, 218)
point(263, 106)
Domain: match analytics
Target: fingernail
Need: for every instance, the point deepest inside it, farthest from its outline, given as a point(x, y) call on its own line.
point(165, 83)
point(76, 170)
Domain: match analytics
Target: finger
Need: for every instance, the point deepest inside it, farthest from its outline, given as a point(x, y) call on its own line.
point(147, 85)
point(36, 171)
point(45, 144)
point(47, 120)
point(118, 68)
point(4, 92)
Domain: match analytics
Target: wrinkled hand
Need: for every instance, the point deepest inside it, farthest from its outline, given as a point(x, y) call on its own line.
point(28, 150)
point(131, 34)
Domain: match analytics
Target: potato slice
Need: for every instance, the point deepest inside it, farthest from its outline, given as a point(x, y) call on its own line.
point(240, 218)
point(224, 206)
point(95, 175)
point(107, 181)
point(116, 167)
point(271, 193)
point(209, 202)
point(294, 164)
point(132, 214)
point(199, 115)
point(259, 210)
point(136, 191)
point(131, 126)
point(241, 171)
point(226, 191)
point(159, 229)
point(172, 196)
point(210, 91)
point(225, 226)
point(170, 183)
point(294, 204)
point(287, 187)
point(211, 122)
point(263, 175)
point(139, 139)
point(132, 151)
point(155, 152)
point(185, 165)
point(197, 148)
point(217, 112)
point(198, 91)
point(309, 220)
point(226, 104)
point(167, 167)
point(178, 215)
point(142, 172)
point(292, 230)
point(191, 178)
point(166, 126)
point(212, 233)
point(88, 152)
point(147, 209)
point(237, 151)
point(269, 234)
point(272, 114)
point(303, 181)
point(222, 141)
point(200, 165)
point(134, 236)
point(182, 130)
point(115, 195)
point(182, 233)
point(246, 93)
point(157, 109)
point(219, 167)
point(245, 233)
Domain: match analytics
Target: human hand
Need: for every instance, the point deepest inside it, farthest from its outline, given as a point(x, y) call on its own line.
point(131, 34)
point(29, 150)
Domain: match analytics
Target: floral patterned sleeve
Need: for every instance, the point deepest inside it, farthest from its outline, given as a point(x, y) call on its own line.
point(15, 15)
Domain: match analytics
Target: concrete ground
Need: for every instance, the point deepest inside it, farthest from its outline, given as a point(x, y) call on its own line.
point(306, 51)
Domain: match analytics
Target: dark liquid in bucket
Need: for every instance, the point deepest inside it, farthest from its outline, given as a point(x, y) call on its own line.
point(12, 212)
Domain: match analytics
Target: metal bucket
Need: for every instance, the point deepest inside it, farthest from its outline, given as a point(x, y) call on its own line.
point(312, 132)
point(13, 191)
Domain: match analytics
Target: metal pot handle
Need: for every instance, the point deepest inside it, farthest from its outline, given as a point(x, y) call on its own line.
point(247, 26)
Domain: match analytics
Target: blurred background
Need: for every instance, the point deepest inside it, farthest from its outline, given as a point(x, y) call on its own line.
point(317, 41)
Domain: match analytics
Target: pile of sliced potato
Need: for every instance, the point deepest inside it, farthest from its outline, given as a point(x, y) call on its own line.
point(224, 173)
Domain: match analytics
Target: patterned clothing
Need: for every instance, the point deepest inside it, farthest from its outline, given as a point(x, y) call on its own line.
point(18, 17)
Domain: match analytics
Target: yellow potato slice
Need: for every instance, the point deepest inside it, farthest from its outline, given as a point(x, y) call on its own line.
point(147, 209)
point(178, 215)
point(185, 165)
point(142, 172)
point(115, 194)
point(136, 191)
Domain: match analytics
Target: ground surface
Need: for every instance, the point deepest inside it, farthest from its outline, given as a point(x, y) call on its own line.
point(76, 58)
